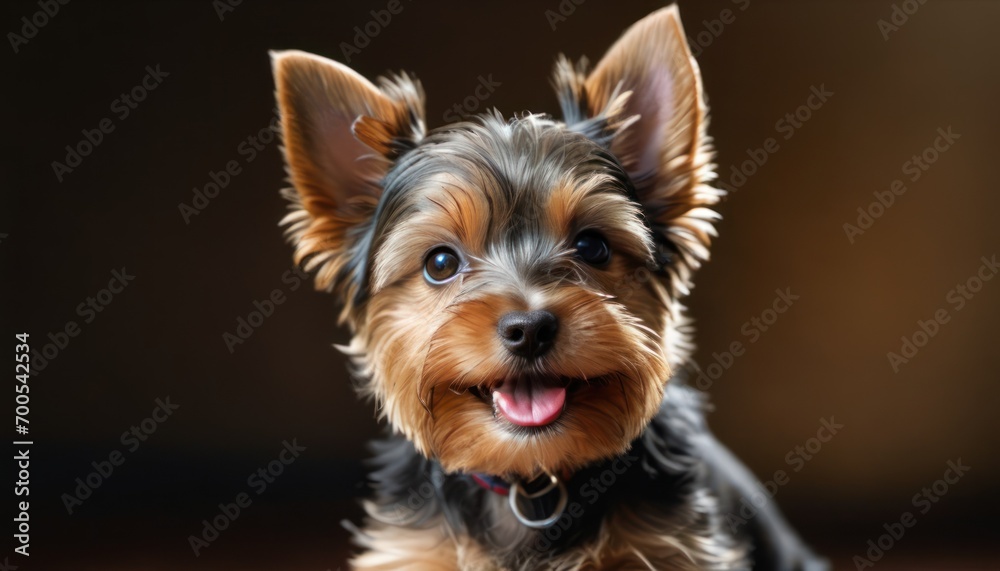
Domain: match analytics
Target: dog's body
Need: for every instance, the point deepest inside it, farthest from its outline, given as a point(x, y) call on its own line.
point(671, 502)
point(513, 290)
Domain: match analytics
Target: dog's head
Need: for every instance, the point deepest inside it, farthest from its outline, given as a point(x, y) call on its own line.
point(511, 285)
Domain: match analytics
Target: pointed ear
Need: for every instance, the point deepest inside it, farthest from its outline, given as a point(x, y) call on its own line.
point(341, 134)
point(644, 100)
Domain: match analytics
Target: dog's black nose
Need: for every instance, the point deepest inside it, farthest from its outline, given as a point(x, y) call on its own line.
point(528, 334)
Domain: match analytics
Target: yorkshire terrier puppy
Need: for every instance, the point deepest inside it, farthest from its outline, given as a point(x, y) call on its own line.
point(512, 287)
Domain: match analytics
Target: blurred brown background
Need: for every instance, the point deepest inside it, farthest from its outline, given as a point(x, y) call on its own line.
point(826, 356)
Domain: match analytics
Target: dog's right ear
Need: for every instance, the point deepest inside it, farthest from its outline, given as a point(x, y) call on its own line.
point(341, 134)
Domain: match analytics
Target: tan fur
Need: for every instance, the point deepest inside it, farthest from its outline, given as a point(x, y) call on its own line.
point(393, 548)
point(431, 343)
point(419, 348)
point(335, 174)
point(630, 539)
point(664, 104)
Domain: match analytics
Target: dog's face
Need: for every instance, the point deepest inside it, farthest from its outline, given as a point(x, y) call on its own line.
point(511, 285)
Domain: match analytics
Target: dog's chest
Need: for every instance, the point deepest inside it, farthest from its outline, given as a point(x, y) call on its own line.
point(628, 537)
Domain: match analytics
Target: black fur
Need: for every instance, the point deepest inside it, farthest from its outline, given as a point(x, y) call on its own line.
point(519, 157)
point(671, 465)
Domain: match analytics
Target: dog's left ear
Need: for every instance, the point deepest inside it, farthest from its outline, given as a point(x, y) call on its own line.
point(644, 100)
point(341, 135)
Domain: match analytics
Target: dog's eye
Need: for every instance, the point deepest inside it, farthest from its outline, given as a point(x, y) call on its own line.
point(441, 265)
point(592, 248)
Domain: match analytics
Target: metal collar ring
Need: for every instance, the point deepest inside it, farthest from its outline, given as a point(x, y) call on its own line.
point(516, 491)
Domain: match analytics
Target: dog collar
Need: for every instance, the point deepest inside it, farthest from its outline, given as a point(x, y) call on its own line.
point(544, 498)
point(494, 484)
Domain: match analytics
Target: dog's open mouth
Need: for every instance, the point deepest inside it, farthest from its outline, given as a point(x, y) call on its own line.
point(529, 402)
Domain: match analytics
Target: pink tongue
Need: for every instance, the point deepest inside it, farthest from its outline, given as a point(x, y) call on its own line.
point(528, 403)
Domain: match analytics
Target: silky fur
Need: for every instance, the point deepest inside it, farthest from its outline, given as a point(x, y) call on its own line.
point(374, 192)
point(439, 341)
point(631, 539)
point(660, 513)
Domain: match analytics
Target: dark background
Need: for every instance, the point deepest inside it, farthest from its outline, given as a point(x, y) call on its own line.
point(162, 336)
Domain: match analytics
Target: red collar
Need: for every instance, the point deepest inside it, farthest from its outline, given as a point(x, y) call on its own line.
point(494, 484)
point(498, 485)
